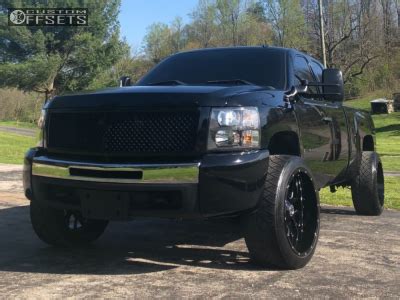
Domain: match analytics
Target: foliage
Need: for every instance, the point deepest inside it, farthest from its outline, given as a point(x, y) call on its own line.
point(362, 39)
point(134, 67)
point(19, 106)
point(354, 41)
point(54, 59)
point(288, 22)
point(158, 42)
point(213, 23)
point(203, 27)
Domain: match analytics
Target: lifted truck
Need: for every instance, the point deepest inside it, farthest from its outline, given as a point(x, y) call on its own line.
point(248, 132)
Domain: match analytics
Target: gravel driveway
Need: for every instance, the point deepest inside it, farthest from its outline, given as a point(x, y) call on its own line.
point(356, 257)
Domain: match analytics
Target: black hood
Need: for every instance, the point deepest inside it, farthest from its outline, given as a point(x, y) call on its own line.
point(167, 96)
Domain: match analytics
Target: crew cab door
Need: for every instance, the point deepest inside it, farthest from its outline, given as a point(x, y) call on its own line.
point(336, 119)
point(321, 126)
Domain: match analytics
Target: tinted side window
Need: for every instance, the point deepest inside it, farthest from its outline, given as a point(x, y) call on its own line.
point(302, 71)
point(317, 69)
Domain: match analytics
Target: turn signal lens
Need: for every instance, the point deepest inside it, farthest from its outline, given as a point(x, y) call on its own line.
point(250, 138)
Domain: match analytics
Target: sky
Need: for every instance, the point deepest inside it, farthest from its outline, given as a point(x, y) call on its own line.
point(137, 15)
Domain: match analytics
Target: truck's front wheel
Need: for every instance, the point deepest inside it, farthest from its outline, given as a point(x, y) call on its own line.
point(59, 227)
point(284, 231)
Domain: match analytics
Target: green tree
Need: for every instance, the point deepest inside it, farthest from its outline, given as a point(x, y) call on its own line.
point(162, 40)
point(256, 10)
point(133, 66)
point(54, 59)
point(288, 23)
point(228, 15)
point(178, 35)
point(157, 42)
point(252, 30)
point(203, 26)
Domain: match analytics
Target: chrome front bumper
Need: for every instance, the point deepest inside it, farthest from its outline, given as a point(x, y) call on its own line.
point(115, 173)
point(219, 184)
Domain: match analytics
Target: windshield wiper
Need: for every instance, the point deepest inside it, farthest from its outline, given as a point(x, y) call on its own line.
point(168, 82)
point(234, 81)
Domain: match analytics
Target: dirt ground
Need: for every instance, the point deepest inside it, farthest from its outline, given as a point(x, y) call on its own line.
point(356, 257)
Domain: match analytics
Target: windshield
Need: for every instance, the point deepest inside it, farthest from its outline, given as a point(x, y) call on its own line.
point(259, 66)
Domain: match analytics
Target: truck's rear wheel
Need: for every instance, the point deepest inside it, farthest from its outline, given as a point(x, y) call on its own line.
point(367, 188)
point(59, 227)
point(284, 231)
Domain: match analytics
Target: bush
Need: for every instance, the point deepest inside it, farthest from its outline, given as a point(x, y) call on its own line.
point(16, 105)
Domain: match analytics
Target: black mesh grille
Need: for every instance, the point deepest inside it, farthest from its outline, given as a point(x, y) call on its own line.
point(124, 132)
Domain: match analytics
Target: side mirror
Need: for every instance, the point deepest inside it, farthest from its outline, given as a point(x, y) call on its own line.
point(333, 87)
point(124, 81)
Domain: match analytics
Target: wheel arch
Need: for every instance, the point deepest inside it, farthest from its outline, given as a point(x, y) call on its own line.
point(368, 143)
point(284, 142)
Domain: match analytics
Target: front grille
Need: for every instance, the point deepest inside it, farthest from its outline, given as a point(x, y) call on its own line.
point(136, 132)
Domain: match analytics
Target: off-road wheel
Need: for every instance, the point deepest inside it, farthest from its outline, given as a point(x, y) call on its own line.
point(59, 227)
point(368, 188)
point(283, 232)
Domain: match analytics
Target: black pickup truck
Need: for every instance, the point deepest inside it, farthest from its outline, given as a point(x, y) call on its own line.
point(247, 132)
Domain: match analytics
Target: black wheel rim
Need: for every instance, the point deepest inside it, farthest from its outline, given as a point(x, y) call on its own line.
point(301, 213)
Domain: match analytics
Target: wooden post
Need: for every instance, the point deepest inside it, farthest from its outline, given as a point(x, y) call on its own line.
point(322, 32)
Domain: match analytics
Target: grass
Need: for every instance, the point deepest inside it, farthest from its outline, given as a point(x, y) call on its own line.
point(388, 146)
point(388, 140)
point(387, 133)
point(342, 197)
point(391, 163)
point(18, 124)
point(363, 102)
point(14, 146)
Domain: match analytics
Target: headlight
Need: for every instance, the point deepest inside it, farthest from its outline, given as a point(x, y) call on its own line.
point(234, 128)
